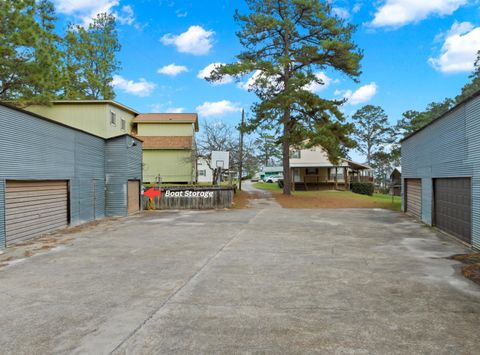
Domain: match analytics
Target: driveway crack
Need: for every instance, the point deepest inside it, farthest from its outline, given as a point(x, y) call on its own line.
point(173, 294)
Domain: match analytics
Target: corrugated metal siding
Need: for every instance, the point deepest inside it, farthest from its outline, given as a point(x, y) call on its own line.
point(36, 149)
point(472, 109)
point(122, 163)
point(3, 242)
point(427, 194)
point(449, 147)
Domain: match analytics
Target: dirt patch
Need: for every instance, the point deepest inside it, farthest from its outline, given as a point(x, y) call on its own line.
point(242, 198)
point(328, 200)
point(471, 269)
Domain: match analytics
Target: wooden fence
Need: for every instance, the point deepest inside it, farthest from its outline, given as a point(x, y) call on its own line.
point(192, 197)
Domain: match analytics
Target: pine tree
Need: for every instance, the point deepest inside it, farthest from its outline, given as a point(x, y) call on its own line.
point(372, 130)
point(90, 59)
point(286, 43)
point(474, 85)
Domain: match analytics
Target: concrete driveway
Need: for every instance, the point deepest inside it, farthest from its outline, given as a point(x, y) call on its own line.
point(260, 280)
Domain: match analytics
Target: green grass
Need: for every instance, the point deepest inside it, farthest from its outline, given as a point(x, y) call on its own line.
point(380, 200)
point(267, 186)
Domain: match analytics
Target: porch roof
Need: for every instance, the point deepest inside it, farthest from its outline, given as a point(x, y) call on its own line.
point(344, 163)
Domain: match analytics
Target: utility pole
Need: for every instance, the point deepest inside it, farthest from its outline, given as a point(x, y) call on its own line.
point(240, 166)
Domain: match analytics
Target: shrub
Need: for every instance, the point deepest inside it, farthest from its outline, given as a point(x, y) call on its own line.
point(363, 188)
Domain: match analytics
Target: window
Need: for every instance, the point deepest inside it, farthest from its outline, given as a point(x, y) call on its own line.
point(295, 154)
point(202, 173)
point(311, 171)
point(123, 124)
point(113, 118)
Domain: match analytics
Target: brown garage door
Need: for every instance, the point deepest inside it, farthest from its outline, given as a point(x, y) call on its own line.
point(414, 197)
point(453, 207)
point(133, 196)
point(33, 208)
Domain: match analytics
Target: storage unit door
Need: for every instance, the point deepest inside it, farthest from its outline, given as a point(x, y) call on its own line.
point(33, 208)
point(453, 207)
point(133, 196)
point(414, 197)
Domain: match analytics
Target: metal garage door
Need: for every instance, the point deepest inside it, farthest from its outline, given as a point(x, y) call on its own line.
point(133, 196)
point(33, 208)
point(453, 207)
point(414, 197)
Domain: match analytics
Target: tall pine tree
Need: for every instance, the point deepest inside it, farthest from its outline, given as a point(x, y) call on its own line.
point(90, 59)
point(285, 44)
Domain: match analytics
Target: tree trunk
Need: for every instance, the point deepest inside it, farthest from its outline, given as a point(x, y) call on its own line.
point(287, 179)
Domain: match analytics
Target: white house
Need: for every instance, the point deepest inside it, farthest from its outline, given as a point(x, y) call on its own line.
point(311, 169)
point(204, 172)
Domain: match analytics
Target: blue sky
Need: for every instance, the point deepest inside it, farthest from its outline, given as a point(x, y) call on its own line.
point(415, 52)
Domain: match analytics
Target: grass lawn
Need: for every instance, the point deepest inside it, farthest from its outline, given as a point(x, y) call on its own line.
point(331, 199)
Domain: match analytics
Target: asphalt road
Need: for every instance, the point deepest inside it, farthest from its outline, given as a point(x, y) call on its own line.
point(262, 280)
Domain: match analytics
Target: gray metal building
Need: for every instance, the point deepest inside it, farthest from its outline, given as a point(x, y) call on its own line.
point(52, 176)
point(441, 172)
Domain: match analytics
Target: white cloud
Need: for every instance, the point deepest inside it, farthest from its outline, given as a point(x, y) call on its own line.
point(175, 110)
point(87, 10)
point(126, 16)
point(181, 13)
point(316, 87)
point(259, 79)
point(139, 88)
point(397, 13)
point(172, 69)
point(361, 95)
point(219, 108)
point(341, 12)
point(206, 72)
point(459, 50)
point(196, 41)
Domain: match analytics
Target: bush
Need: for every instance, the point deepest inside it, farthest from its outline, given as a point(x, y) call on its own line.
point(363, 188)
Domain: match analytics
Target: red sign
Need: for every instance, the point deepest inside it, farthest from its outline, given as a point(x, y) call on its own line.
point(152, 193)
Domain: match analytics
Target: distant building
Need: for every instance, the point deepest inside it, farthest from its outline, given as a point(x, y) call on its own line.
point(311, 169)
point(168, 146)
point(396, 182)
point(204, 172)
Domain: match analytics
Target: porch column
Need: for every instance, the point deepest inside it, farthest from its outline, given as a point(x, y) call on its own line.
point(336, 178)
point(346, 179)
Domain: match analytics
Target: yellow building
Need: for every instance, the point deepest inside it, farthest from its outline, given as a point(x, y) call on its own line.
point(169, 146)
point(169, 139)
point(104, 118)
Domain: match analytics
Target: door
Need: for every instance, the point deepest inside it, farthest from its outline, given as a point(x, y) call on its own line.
point(414, 197)
point(34, 208)
point(133, 196)
point(453, 207)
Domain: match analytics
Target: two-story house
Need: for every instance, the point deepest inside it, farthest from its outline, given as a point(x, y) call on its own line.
point(168, 151)
point(104, 118)
point(311, 169)
point(169, 146)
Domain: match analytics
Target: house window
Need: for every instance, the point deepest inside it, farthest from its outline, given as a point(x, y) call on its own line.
point(113, 118)
point(311, 171)
point(123, 124)
point(202, 173)
point(295, 154)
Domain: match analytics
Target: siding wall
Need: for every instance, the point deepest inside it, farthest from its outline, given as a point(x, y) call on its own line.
point(172, 165)
point(449, 147)
point(32, 148)
point(123, 162)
